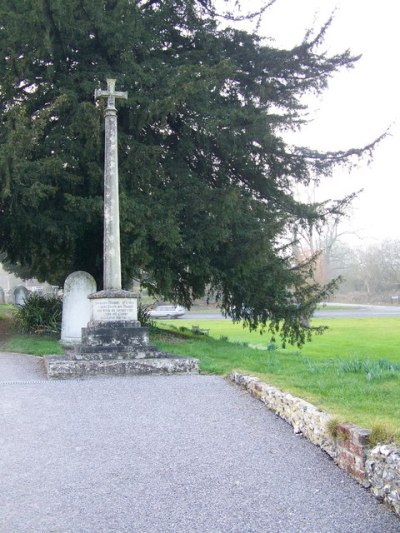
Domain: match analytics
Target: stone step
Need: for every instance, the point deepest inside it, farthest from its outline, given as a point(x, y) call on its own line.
point(117, 355)
point(59, 367)
point(114, 352)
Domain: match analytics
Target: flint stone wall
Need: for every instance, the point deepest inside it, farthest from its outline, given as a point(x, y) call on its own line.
point(378, 469)
point(383, 470)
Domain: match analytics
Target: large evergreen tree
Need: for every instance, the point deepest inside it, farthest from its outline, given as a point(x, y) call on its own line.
point(206, 180)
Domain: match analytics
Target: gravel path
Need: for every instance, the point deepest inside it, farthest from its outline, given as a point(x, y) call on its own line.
point(163, 454)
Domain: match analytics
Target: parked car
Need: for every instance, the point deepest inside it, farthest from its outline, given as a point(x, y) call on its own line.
point(167, 311)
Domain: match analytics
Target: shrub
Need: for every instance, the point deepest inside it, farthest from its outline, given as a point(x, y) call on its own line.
point(144, 316)
point(40, 315)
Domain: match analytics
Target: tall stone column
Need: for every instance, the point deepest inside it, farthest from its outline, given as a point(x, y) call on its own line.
point(112, 250)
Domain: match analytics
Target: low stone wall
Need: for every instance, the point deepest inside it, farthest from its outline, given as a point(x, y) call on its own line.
point(378, 468)
point(383, 471)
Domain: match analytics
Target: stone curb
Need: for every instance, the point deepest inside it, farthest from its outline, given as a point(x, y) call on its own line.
point(377, 468)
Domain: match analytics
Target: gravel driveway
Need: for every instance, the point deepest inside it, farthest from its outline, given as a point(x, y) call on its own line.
point(163, 454)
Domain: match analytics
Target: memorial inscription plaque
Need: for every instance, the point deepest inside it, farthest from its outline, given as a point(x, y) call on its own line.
point(114, 309)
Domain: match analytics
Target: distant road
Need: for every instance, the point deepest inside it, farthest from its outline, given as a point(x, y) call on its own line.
point(347, 311)
point(359, 311)
point(203, 316)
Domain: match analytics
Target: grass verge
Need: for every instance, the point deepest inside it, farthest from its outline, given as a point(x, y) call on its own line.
point(33, 345)
point(10, 341)
point(352, 371)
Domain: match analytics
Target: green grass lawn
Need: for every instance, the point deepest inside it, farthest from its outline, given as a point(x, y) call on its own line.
point(368, 337)
point(10, 341)
point(352, 371)
point(33, 345)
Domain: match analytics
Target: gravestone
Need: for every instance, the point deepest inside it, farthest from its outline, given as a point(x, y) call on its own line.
point(2, 298)
point(21, 293)
point(76, 306)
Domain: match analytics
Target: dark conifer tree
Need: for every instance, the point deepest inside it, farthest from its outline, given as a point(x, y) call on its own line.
point(206, 179)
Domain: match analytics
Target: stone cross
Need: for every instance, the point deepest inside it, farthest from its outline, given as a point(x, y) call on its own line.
point(112, 249)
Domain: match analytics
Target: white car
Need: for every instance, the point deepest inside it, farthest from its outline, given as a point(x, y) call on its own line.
point(167, 311)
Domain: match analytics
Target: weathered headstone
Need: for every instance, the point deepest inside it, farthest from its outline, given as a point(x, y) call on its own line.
point(76, 306)
point(21, 293)
point(2, 298)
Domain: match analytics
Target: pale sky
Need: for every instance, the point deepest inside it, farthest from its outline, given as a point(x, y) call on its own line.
point(358, 105)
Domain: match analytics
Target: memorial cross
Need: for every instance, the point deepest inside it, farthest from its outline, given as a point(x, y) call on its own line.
point(112, 247)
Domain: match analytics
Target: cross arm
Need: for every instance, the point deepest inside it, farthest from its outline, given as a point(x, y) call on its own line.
point(110, 93)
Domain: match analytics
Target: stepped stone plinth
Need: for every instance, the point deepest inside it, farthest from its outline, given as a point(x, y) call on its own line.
point(114, 343)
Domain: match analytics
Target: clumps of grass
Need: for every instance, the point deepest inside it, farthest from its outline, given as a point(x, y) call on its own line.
point(332, 427)
point(381, 434)
point(388, 365)
point(272, 362)
point(311, 367)
point(373, 370)
point(240, 343)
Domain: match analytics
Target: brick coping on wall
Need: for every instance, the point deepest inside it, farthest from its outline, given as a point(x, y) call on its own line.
point(377, 469)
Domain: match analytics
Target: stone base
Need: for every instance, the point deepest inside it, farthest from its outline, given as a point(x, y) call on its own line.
point(105, 353)
point(123, 337)
point(58, 367)
point(113, 346)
